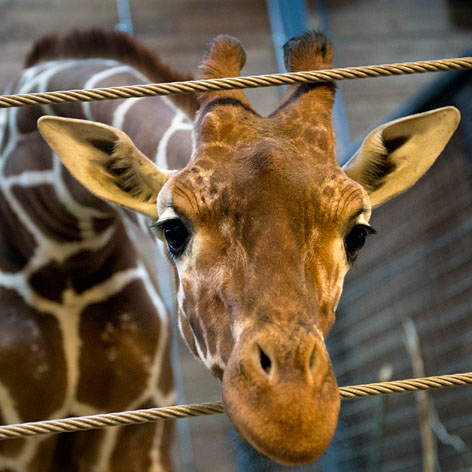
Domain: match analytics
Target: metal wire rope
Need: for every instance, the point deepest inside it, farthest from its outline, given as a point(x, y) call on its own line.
point(83, 423)
point(348, 73)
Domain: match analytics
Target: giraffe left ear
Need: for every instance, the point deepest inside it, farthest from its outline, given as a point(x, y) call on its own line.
point(106, 162)
point(395, 155)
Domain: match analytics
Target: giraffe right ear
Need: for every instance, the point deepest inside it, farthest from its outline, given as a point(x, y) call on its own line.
point(106, 162)
point(395, 155)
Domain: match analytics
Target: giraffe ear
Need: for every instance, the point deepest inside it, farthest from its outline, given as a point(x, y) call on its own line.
point(106, 162)
point(395, 155)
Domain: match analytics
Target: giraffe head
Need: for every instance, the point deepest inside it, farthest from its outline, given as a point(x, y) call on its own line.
point(262, 225)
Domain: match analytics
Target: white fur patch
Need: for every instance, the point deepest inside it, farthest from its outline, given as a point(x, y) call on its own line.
point(179, 122)
point(95, 79)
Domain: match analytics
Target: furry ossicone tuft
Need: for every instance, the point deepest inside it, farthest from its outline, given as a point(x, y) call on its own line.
point(224, 57)
point(308, 51)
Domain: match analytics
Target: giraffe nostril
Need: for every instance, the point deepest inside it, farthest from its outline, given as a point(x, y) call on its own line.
point(265, 361)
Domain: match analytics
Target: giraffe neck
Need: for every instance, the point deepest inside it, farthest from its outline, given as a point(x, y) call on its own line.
point(164, 135)
point(160, 129)
point(70, 266)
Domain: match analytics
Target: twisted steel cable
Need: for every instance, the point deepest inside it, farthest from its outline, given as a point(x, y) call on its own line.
point(348, 73)
point(83, 423)
point(409, 385)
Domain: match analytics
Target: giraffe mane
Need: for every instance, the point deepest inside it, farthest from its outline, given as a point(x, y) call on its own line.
point(97, 43)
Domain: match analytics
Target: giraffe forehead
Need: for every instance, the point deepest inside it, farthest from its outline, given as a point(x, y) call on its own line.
point(263, 152)
point(340, 196)
point(242, 161)
point(265, 184)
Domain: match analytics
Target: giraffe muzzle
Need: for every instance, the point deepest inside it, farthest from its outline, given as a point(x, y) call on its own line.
point(281, 395)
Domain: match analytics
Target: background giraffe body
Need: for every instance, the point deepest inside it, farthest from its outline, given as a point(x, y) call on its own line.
point(83, 328)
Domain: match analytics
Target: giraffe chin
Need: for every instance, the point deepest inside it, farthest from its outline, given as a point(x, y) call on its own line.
point(290, 422)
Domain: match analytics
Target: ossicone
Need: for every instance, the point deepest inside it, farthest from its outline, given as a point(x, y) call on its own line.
point(308, 51)
point(224, 57)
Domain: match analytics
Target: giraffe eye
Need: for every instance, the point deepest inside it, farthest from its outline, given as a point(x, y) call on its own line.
point(355, 240)
point(176, 235)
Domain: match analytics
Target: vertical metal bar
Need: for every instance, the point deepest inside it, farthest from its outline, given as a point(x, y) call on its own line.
point(124, 14)
point(429, 447)
point(340, 124)
point(278, 33)
point(379, 412)
point(288, 18)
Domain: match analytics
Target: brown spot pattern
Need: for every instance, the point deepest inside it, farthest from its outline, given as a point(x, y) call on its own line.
point(32, 358)
point(30, 154)
point(84, 197)
point(133, 440)
point(123, 334)
point(86, 268)
point(16, 243)
point(165, 383)
point(179, 149)
point(10, 448)
point(147, 133)
point(43, 207)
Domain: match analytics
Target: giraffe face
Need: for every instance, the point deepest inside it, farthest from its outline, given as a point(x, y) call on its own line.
point(262, 236)
point(262, 225)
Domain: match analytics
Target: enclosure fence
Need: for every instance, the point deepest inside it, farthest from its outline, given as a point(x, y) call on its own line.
point(230, 83)
point(82, 423)
point(167, 413)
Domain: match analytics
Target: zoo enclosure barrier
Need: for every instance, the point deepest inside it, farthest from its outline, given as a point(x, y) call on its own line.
point(83, 423)
point(182, 411)
point(231, 83)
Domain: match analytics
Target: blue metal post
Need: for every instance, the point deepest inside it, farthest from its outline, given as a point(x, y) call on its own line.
point(124, 14)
